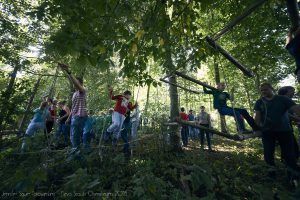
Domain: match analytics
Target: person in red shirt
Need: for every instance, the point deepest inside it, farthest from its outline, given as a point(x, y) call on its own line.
point(184, 128)
point(52, 109)
point(121, 107)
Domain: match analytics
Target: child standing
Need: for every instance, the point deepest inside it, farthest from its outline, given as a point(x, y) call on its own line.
point(204, 120)
point(121, 107)
point(63, 128)
point(184, 128)
point(192, 133)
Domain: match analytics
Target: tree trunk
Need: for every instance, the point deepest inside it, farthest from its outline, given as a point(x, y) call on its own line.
point(147, 99)
point(34, 91)
point(218, 80)
point(173, 92)
point(174, 113)
point(6, 95)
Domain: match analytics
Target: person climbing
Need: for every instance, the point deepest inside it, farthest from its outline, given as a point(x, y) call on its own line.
point(63, 128)
point(289, 92)
point(37, 123)
point(121, 107)
point(293, 47)
point(52, 107)
point(191, 129)
point(124, 133)
point(204, 120)
point(184, 128)
point(79, 110)
point(220, 103)
point(271, 114)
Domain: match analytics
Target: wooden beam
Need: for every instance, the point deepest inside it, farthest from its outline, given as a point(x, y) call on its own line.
point(179, 86)
point(194, 80)
point(229, 57)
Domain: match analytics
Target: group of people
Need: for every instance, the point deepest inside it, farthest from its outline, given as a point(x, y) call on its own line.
point(202, 118)
point(79, 123)
point(274, 117)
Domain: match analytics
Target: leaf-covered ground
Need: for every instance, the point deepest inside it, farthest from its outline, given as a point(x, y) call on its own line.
point(234, 171)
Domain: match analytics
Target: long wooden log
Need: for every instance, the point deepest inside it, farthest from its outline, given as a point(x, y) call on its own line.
point(194, 80)
point(179, 86)
point(236, 137)
point(229, 57)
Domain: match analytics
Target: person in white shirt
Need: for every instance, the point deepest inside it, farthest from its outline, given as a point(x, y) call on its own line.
point(135, 122)
point(204, 120)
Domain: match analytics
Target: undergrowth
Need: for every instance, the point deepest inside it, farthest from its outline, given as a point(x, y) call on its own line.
point(233, 171)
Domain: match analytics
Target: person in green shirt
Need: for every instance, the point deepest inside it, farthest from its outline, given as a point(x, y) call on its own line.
point(220, 103)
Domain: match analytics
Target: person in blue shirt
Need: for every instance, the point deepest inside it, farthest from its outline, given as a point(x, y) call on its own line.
point(37, 123)
point(192, 132)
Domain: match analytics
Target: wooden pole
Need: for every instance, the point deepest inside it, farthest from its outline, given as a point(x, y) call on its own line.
point(194, 80)
point(229, 57)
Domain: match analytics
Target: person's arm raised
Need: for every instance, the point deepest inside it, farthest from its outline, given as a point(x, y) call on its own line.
point(74, 80)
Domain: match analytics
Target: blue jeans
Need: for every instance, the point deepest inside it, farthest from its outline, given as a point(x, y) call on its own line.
point(184, 135)
point(192, 132)
point(124, 136)
point(33, 127)
point(77, 129)
point(241, 114)
point(62, 129)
